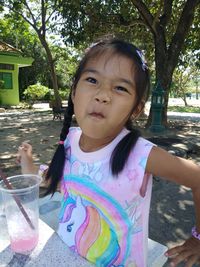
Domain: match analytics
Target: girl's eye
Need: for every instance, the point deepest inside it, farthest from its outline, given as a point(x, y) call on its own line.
point(91, 80)
point(120, 88)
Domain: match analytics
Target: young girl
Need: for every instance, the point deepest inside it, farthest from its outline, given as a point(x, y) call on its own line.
point(104, 168)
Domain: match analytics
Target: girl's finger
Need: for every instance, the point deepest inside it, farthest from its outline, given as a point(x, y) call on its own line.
point(174, 251)
point(183, 256)
point(18, 160)
point(192, 260)
point(27, 147)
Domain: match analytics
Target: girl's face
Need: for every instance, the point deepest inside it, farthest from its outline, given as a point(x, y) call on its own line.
point(104, 97)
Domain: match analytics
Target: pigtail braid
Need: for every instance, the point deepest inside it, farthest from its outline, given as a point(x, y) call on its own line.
point(122, 151)
point(56, 166)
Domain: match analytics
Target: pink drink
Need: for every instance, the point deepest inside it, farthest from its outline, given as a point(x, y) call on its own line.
point(20, 203)
point(24, 245)
point(23, 238)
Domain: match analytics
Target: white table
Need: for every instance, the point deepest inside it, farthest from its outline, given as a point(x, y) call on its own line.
point(51, 251)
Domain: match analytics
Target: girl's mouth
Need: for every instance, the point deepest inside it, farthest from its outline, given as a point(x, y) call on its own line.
point(97, 115)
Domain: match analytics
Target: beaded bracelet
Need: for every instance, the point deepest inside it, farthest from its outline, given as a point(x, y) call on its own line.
point(195, 233)
point(42, 170)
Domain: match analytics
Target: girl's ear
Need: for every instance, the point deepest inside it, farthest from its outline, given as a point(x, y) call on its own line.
point(73, 96)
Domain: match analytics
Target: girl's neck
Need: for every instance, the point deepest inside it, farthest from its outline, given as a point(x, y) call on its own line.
point(88, 144)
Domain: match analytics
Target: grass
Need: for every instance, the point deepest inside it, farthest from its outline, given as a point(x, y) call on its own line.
point(189, 109)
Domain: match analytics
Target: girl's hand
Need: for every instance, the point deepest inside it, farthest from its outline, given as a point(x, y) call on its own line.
point(189, 253)
point(25, 159)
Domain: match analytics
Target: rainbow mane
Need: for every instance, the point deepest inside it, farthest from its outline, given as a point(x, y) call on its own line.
point(104, 236)
point(96, 241)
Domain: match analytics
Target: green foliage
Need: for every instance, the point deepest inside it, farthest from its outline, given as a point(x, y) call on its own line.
point(63, 93)
point(2, 84)
point(185, 75)
point(36, 92)
point(87, 21)
point(18, 33)
point(42, 17)
point(66, 62)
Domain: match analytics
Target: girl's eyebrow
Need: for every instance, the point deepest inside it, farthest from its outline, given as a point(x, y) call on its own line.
point(91, 70)
point(127, 81)
point(130, 83)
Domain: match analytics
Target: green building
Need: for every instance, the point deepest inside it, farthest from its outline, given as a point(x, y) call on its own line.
point(11, 60)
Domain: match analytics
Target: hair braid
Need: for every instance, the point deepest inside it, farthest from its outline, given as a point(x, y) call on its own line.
point(122, 151)
point(56, 166)
point(67, 119)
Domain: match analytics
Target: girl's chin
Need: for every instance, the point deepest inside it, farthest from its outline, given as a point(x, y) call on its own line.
point(94, 133)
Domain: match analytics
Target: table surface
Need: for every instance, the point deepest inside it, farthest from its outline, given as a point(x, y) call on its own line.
point(51, 251)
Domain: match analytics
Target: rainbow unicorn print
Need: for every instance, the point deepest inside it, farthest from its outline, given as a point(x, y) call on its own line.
point(93, 224)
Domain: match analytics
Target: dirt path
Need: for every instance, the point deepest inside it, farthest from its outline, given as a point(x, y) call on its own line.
point(172, 211)
point(38, 128)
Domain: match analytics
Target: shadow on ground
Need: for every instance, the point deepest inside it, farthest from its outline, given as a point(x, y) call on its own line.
point(172, 210)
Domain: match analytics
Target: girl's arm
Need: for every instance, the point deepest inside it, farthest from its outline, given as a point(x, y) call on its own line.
point(25, 159)
point(184, 172)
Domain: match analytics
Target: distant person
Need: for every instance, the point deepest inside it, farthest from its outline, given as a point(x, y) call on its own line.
point(104, 167)
point(189, 95)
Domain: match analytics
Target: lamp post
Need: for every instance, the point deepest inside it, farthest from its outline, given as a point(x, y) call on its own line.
point(157, 104)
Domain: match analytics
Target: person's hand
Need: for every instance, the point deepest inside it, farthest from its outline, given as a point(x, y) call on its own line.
point(25, 158)
point(189, 253)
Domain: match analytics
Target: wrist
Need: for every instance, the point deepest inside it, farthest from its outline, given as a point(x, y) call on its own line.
point(29, 168)
point(42, 170)
point(195, 233)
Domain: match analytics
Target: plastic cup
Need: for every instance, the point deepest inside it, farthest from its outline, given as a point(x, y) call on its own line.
point(21, 210)
point(1, 205)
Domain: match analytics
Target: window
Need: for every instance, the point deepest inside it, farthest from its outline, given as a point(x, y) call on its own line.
point(6, 66)
point(6, 80)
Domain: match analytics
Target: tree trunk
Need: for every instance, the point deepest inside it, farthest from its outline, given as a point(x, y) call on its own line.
point(163, 73)
point(185, 100)
point(166, 55)
point(58, 101)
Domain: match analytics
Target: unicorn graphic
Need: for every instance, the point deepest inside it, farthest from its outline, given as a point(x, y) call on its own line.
point(94, 224)
point(86, 232)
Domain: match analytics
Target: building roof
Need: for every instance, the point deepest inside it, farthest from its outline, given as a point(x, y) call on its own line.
point(4, 47)
point(11, 55)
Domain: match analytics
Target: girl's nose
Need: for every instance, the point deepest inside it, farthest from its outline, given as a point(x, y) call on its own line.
point(103, 96)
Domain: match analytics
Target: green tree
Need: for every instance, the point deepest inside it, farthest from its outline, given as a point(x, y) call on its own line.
point(65, 63)
point(181, 80)
point(161, 26)
point(185, 71)
point(19, 34)
point(42, 16)
point(36, 92)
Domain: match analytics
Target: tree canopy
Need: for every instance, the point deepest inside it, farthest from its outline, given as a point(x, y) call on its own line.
point(42, 17)
point(164, 26)
point(166, 29)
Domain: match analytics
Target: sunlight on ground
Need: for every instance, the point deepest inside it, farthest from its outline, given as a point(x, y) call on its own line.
point(183, 204)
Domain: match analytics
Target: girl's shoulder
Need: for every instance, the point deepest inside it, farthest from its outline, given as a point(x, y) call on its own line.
point(145, 142)
point(140, 152)
point(73, 131)
point(143, 146)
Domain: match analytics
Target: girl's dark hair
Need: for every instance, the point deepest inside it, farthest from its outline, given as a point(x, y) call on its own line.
point(142, 84)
